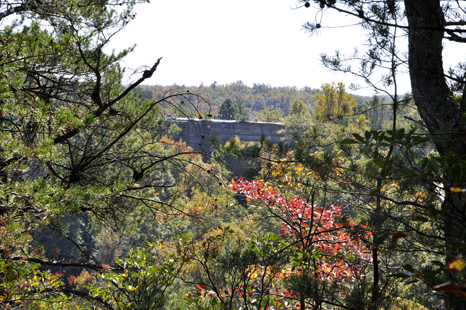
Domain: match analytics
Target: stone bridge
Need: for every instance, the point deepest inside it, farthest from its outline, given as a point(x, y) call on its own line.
point(194, 129)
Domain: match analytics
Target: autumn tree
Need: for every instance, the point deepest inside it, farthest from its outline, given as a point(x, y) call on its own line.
point(333, 101)
point(308, 261)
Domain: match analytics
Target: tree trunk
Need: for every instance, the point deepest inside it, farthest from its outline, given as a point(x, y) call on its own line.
point(437, 106)
point(434, 99)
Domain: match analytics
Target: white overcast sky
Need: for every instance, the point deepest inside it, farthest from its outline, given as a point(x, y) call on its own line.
point(255, 41)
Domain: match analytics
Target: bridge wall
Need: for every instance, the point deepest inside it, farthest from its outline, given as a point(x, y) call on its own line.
point(193, 130)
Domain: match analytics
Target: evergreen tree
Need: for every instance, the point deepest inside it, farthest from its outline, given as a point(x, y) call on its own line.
point(228, 109)
point(78, 150)
point(425, 25)
point(234, 110)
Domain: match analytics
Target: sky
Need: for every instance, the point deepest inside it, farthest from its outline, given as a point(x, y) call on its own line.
point(253, 41)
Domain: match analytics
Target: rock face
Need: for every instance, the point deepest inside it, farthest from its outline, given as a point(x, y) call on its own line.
point(193, 131)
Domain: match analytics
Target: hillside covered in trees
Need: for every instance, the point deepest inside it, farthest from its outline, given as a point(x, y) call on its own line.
point(256, 98)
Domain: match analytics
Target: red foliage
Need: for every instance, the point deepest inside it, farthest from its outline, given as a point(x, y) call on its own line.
point(73, 280)
point(309, 229)
point(312, 226)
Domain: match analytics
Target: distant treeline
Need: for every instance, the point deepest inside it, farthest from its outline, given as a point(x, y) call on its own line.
point(256, 98)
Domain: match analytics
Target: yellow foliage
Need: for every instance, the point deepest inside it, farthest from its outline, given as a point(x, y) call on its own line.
point(403, 304)
point(334, 101)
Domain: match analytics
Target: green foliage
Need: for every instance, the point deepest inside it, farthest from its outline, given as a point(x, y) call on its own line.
point(298, 124)
point(230, 109)
point(298, 108)
point(142, 282)
point(100, 207)
point(269, 114)
point(256, 98)
point(84, 161)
